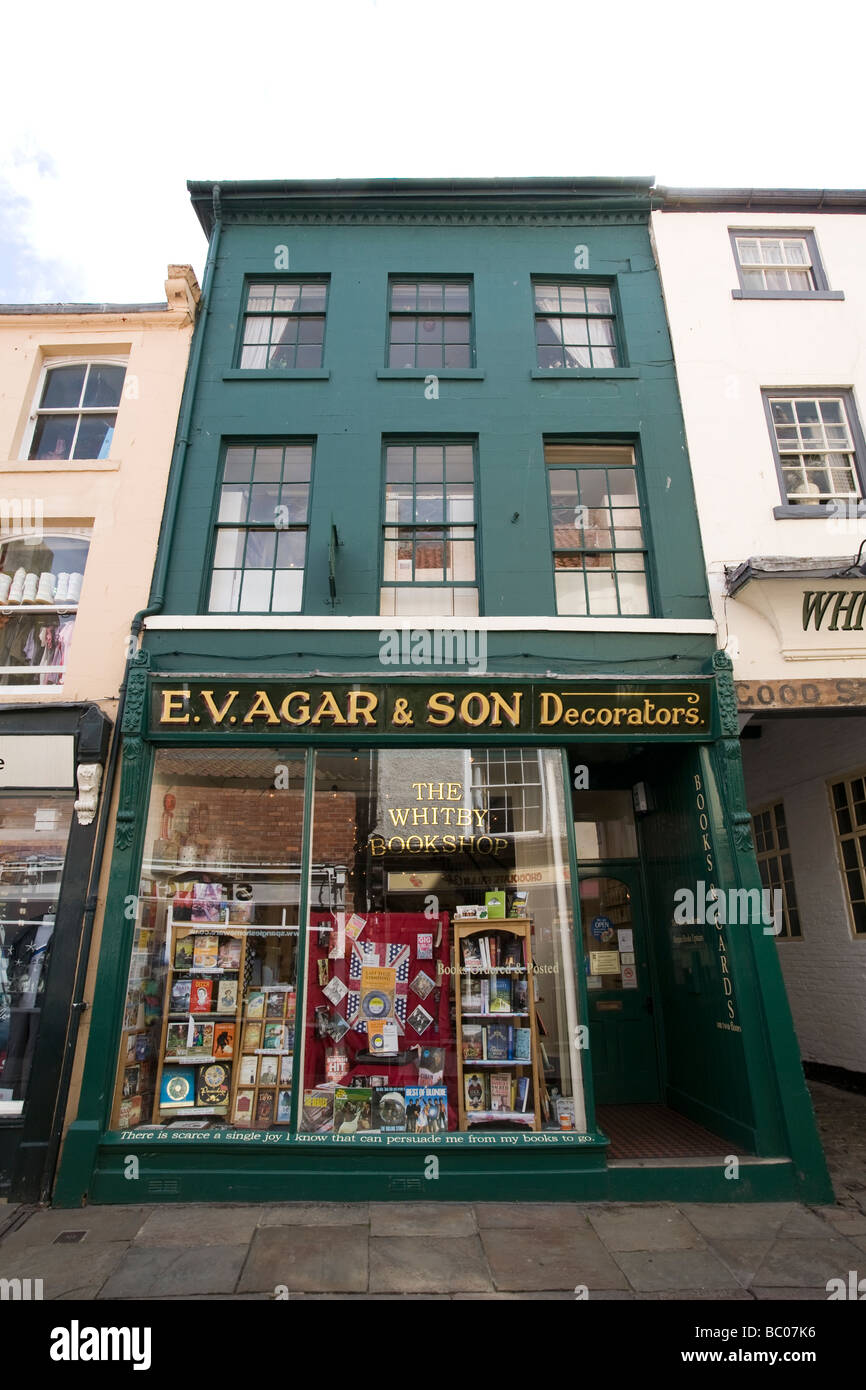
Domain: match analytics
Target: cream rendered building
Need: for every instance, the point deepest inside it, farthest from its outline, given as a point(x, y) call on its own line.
point(766, 300)
point(89, 400)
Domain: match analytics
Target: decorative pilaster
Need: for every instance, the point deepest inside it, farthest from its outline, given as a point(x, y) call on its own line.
point(731, 764)
point(133, 751)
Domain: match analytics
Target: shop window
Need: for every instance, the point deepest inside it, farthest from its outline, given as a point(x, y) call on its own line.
point(208, 1024)
point(76, 410)
point(599, 545)
point(436, 995)
point(40, 587)
point(817, 441)
point(775, 865)
point(423, 1015)
point(34, 830)
point(429, 565)
point(604, 825)
point(849, 814)
point(261, 532)
point(430, 323)
point(575, 325)
point(284, 324)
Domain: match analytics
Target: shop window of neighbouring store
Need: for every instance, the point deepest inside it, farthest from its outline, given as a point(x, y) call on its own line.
point(849, 814)
point(34, 830)
point(40, 586)
point(775, 865)
point(430, 987)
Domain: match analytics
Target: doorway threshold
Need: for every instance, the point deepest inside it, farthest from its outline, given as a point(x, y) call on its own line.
point(656, 1132)
point(710, 1160)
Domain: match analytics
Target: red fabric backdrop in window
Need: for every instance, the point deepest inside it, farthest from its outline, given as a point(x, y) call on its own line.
point(398, 929)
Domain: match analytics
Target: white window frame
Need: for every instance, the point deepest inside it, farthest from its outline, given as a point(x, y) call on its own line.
point(851, 453)
point(846, 778)
point(478, 792)
point(48, 365)
point(763, 856)
point(78, 533)
point(784, 266)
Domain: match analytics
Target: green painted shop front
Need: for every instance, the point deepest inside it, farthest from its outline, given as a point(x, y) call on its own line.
point(705, 1031)
point(381, 369)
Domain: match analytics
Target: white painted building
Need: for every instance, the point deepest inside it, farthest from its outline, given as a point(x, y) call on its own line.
point(766, 300)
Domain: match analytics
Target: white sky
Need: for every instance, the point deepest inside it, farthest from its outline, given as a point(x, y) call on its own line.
point(107, 108)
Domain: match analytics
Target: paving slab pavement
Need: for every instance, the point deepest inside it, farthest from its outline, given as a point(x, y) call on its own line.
point(457, 1250)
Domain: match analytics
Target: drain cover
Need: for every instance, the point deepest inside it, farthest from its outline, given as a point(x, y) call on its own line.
point(69, 1237)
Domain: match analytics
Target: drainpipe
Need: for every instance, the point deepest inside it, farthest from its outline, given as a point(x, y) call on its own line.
point(155, 602)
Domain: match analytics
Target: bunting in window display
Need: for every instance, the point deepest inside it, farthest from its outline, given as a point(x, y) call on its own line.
point(392, 955)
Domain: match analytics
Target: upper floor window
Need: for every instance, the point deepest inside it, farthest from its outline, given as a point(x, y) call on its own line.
point(849, 812)
point(261, 533)
point(41, 574)
point(599, 546)
point(775, 866)
point(778, 265)
point(429, 533)
point(575, 325)
point(77, 409)
point(816, 445)
point(284, 324)
point(430, 323)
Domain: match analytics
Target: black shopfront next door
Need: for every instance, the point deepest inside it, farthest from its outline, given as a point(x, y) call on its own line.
point(45, 859)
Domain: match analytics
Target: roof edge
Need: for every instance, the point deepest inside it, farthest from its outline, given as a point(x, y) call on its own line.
point(84, 309)
point(417, 193)
point(759, 199)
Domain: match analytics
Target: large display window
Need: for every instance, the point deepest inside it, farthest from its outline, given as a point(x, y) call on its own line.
point(207, 1035)
point(429, 987)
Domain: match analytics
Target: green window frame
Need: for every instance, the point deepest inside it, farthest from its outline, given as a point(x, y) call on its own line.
point(429, 530)
point(575, 324)
point(600, 550)
point(848, 800)
point(775, 866)
point(283, 323)
point(259, 554)
point(430, 322)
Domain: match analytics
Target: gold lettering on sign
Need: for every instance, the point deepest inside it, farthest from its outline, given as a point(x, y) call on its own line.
point(261, 709)
point(362, 706)
point(442, 703)
point(218, 715)
point(171, 699)
point(437, 814)
point(328, 709)
point(550, 702)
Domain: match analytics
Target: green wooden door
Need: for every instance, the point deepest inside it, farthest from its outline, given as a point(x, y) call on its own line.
point(621, 1025)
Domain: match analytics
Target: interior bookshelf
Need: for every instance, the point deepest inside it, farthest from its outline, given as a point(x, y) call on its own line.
point(201, 1042)
point(495, 1014)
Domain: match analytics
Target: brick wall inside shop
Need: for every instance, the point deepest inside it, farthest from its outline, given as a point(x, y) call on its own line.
point(264, 825)
point(334, 828)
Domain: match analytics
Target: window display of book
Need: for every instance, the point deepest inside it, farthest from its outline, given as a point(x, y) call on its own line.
point(185, 1024)
point(500, 1082)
